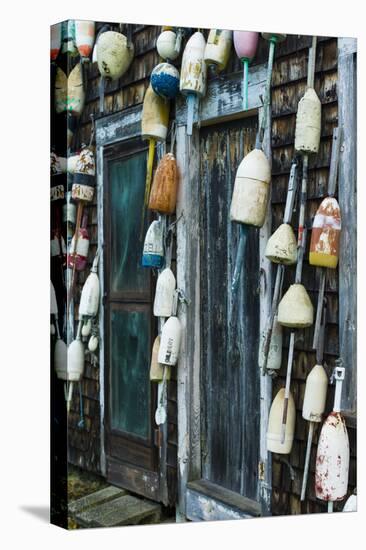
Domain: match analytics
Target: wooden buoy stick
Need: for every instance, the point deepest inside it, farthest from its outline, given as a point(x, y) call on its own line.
point(245, 84)
point(267, 90)
point(77, 230)
point(311, 63)
point(239, 257)
point(191, 100)
point(323, 273)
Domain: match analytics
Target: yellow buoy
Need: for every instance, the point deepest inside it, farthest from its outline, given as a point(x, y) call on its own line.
point(156, 368)
point(325, 234)
point(218, 48)
point(114, 54)
point(274, 444)
point(155, 116)
point(295, 310)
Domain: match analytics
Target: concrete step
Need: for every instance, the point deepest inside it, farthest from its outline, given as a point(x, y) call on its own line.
point(122, 510)
point(94, 499)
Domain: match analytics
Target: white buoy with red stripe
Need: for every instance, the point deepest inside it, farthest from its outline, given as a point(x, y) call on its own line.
point(84, 37)
point(55, 41)
point(333, 455)
point(78, 255)
point(193, 74)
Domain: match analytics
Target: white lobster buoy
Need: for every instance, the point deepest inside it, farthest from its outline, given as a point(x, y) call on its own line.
point(351, 504)
point(114, 54)
point(308, 123)
point(166, 45)
point(89, 300)
point(164, 294)
point(274, 444)
point(153, 252)
point(218, 48)
point(75, 361)
point(60, 359)
point(332, 459)
point(315, 394)
point(295, 310)
point(282, 246)
point(86, 329)
point(84, 37)
point(93, 343)
point(251, 189)
point(170, 342)
point(275, 349)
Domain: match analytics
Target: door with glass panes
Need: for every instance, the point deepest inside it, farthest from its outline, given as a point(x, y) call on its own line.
point(130, 398)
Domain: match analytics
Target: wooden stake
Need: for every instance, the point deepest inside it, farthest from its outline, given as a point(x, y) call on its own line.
point(245, 84)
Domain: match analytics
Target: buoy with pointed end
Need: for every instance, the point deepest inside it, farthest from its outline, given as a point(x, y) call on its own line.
point(114, 54)
point(164, 294)
point(55, 41)
point(84, 38)
point(295, 310)
point(274, 359)
point(167, 46)
point(153, 252)
point(274, 444)
point(193, 74)
point(315, 394)
point(69, 91)
point(308, 123)
point(78, 255)
point(75, 360)
point(325, 235)
point(282, 246)
point(165, 80)
point(170, 342)
point(351, 504)
point(163, 195)
point(84, 176)
point(245, 43)
point(89, 300)
point(218, 48)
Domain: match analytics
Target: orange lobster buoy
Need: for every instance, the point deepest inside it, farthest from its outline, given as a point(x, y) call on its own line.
point(163, 195)
point(325, 235)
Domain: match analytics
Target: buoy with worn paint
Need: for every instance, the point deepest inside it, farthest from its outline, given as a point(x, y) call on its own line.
point(245, 43)
point(274, 359)
point(84, 176)
point(315, 394)
point(155, 116)
point(274, 444)
point(84, 37)
point(58, 179)
point(156, 369)
point(167, 45)
point(55, 41)
point(249, 201)
point(295, 310)
point(170, 342)
point(68, 38)
point(308, 123)
point(114, 54)
point(89, 300)
point(78, 256)
point(193, 74)
point(93, 343)
point(218, 48)
point(325, 234)
point(282, 246)
point(332, 455)
point(351, 504)
point(164, 294)
point(69, 91)
point(163, 195)
point(153, 252)
point(165, 80)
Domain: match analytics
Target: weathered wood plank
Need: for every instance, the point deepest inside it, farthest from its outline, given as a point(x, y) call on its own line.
point(223, 99)
point(348, 200)
point(119, 128)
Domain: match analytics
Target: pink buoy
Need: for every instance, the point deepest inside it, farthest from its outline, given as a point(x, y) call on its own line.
point(245, 43)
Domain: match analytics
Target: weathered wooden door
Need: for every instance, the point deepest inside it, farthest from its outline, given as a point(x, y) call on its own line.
point(130, 399)
point(230, 377)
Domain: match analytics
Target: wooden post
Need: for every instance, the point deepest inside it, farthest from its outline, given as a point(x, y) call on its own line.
point(348, 204)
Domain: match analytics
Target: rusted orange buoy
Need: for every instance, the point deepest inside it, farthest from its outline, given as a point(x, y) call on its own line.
point(163, 195)
point(324, 245)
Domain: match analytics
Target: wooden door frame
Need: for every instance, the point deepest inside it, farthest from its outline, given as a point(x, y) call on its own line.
point(197, 498)
point(115, 129)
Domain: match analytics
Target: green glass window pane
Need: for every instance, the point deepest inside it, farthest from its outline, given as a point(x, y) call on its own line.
point(127, 187)
point(130, 386)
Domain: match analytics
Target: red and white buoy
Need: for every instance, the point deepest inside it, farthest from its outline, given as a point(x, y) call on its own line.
point(84, 38)
point(78, 255)
point(55, 41)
